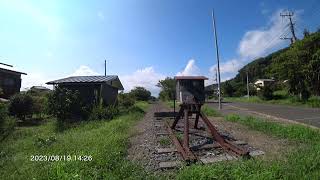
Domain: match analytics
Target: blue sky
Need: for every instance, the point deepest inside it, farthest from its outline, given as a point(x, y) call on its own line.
point(143, 40)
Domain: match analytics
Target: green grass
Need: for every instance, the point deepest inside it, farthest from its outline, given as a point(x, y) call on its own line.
point(164, 141)
point(289, 131)
point(209, 111)
point(105, 141)
point(301, 163)
point(313, 101)
point(170, 104)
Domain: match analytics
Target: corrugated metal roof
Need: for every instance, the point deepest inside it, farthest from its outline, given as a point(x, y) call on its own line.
point(11, 69)
point(190, 78)
point(87, 79)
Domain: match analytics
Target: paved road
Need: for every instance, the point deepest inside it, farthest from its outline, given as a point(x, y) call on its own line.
point(309, 116)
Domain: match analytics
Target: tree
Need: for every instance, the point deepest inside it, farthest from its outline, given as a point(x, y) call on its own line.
point(140, 94)
point(66, 105)
point(126, 100)
point(21, 105)
point(168, 89)
point(227, 89)
point(266, 92)
point(306, 33)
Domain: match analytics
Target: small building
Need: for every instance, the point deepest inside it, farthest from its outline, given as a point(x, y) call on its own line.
point(10, 81)
point(92, 88)
point(190, 89)
point(40, 89)
point(263, 82)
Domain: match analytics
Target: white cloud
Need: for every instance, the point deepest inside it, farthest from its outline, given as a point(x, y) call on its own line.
point(146, 78)
point(259, 42)
point(230, 66)
point(255, 43)
point(34, 79)
point(191, 69)
point(84, 71)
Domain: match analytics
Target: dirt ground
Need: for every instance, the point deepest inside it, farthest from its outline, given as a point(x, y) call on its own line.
point(144, 141)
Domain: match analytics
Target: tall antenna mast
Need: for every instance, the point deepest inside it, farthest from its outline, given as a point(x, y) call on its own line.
point(218, 60)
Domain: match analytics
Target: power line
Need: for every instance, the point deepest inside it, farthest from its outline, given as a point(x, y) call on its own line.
point(276, 37)
point(289, 15)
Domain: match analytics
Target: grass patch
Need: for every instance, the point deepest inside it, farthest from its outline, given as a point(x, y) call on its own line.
point(280, 98)
point(164, 141)
point(142, 105)
point(289, 131)
point(170, 104)
point(105, 141)
point(209, 111)
point(301, 163)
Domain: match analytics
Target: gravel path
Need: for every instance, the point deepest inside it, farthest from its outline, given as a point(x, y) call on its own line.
point(146, 140)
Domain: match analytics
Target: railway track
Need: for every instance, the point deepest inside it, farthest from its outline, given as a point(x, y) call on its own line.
point(203, 146)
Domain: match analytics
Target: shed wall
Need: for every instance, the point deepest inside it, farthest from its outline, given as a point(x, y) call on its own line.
point(187, 90)
point(10, 83)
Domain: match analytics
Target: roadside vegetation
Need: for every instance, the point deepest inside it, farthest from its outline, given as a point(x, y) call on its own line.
point(313, 101)
point(91, 142)
point(295, 71)
point(300, 163)
point(105, 142)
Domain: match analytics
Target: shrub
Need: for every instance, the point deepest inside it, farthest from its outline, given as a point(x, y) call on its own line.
point(39, 105)
point(126, 100)
point(314, 101)
point(21, 105)
point(3, 114)
point(101, 112)
point(141, 94)
point(66, 105)
point(266, 93)
point(305, 94)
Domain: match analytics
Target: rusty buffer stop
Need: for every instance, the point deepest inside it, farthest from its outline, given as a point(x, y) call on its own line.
point(191, 96)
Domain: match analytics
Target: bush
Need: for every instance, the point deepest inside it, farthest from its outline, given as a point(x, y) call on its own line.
point(126, 100)
point(21, 105)
point(3, 114)
point(141, 94)
point(266, 93)
point(314, 101)
point(66, 105)
point(39, 105)
point(101, 112)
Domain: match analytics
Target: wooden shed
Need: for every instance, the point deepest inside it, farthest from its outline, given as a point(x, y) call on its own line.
point(10, 81)
point(190, 89)
point(92, 88)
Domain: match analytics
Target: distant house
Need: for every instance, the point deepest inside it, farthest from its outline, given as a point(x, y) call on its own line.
point(263, 82)
point(10, 81)
point(39, 88)
point(92, 88)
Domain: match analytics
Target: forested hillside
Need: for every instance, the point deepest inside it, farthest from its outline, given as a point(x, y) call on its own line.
point(297, 65)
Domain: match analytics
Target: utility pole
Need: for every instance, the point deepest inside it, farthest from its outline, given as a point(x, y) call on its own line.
point(105, 67)
point(248, 91)
point(217, 53)
point(289, 14)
